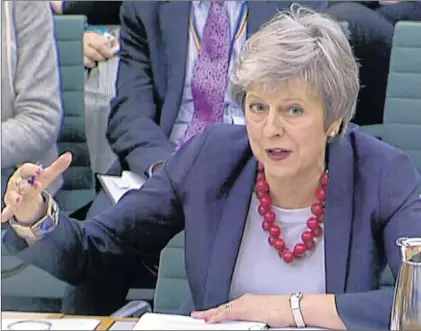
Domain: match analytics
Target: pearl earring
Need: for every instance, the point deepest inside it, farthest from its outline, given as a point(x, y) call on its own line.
point(332, 133)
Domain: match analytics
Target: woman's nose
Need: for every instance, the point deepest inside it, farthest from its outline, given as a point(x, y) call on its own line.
point(274, 125)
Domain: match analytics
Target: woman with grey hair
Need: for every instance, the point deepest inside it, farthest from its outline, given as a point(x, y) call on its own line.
point(289, 220)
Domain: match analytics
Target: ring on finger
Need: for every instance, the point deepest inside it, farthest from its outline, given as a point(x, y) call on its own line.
point(19, 187)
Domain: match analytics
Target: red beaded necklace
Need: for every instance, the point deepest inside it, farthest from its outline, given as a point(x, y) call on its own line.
point(269, 217)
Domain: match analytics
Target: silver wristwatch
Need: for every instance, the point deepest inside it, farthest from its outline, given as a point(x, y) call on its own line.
point(40, 228)
point(294, 301)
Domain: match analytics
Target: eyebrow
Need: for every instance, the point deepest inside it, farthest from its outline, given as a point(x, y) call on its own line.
point(287, 99)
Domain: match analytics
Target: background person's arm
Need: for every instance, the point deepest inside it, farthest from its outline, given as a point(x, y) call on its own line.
point(96, 12)
point(132, 130)
point(37, 104)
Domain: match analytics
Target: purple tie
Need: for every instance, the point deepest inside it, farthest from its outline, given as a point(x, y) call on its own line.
point(210, 71)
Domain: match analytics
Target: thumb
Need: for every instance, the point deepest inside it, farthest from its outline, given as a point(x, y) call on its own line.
point(7, 213)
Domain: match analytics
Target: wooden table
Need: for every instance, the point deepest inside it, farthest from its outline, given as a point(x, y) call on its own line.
point(106, 322)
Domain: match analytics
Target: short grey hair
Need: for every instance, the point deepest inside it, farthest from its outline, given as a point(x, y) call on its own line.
point(302, 44)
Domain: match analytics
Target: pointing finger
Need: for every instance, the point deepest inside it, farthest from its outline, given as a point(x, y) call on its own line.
point(57, 167)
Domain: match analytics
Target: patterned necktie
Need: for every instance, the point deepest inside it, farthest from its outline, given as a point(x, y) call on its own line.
point(210, 72)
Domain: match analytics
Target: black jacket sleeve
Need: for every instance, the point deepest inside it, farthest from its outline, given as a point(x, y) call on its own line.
point(97, 12)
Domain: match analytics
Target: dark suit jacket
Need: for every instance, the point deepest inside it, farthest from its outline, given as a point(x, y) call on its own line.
point(96, 12)
point(150, 81)
point(373, 199)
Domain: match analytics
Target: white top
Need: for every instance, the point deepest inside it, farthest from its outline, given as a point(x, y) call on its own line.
point(260, 270)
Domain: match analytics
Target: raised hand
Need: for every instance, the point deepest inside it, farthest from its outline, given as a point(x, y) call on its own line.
point(23, 198)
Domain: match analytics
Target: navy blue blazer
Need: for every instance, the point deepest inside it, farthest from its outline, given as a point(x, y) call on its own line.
point(205, 188)
point(150, 81)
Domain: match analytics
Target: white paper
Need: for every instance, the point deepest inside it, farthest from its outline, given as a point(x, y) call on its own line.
point(74, 324)
point(237, 120)
point(122, 325)
point(152, 321)
point(117, 186)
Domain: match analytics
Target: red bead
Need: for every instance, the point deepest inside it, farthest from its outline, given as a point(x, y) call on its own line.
point(279, 245)
point(261, 210)
point(317, 208)
point(260, 176)
point(312, 223)
point(317, 231)
point(262, 186)
point(287, 256)
point(321, 193)
point(307, 236)
point(299, 250)
point(266, 225)
point(309, 244)
point(321, 218)
point(265, 201)
point(275, 231)
point(324, 179)
point(270, 216)
point(261, 194)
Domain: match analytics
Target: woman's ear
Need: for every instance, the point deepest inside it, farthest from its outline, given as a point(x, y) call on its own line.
point(335, 129)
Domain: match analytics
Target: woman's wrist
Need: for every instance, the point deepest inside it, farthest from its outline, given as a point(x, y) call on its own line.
point(319, 310)
point(33, 215)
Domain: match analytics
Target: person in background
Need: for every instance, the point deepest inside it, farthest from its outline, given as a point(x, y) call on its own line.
point(31, 109)
point(289, 220)
point(96, 46)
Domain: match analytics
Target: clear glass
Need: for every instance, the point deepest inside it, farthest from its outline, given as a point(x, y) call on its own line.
point(406, 310)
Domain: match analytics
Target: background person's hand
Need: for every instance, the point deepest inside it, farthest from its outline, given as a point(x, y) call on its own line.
point(57, 6)
point(97, 48)
point(23, 198)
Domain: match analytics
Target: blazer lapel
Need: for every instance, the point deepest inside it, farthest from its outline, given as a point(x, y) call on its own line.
point(228, 237)
point(260, 12)
point(339, 214)
point(174, 25)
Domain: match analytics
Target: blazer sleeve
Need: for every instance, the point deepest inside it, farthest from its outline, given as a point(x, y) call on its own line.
point(132, 130)
point(139, 225)
point(37, 104)
point(400, 213)
point(96, 12)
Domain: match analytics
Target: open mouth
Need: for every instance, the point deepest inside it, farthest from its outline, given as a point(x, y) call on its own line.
point(278, 154)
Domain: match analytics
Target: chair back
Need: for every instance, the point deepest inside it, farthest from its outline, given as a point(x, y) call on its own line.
point(172, 287)
point(402, 114)
point(78, 186)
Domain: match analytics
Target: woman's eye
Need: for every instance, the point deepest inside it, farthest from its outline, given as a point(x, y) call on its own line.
point(295, 110)
point(257, 107)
